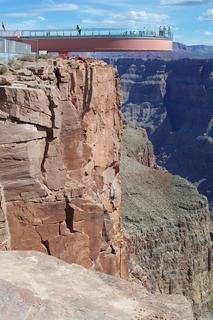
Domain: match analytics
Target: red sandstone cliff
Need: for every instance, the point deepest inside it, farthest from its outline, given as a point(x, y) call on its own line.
point(59, 164)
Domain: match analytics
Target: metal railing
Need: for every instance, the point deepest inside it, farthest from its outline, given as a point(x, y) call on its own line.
point(13, 49)
point(164, 33)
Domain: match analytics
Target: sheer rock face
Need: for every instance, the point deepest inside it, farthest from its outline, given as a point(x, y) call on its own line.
point(35, 286)
point(139, 147)
point(173, 101)
point(168, 223)
point(59, 164)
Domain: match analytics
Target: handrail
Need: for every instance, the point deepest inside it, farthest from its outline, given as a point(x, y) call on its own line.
point(161, 33)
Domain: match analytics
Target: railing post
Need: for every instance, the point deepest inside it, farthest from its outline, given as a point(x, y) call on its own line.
point(8, 51)
point(37, 49)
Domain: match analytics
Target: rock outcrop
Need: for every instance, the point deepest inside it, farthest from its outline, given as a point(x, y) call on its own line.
point(173, 101)
point(168, 223)
point(35, 286)
point(60, 141)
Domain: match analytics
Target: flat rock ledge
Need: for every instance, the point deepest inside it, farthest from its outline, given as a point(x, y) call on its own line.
point(35, 286)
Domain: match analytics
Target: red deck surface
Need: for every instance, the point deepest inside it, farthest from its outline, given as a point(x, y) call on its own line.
point(98, 44)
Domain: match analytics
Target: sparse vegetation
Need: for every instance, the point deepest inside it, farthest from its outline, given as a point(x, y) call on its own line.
point(210, 315)
point(28, 58)
point(43, 56)
point(32, 58)
point(211, 305)
point(15, 64)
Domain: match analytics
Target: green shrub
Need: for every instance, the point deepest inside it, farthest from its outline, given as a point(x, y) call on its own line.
point(28, 58)
point(3, 69)
point(43, 56)
point(15, 64)
point(210, 305)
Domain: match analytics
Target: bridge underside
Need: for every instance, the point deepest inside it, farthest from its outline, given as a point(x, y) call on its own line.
point(98, 44)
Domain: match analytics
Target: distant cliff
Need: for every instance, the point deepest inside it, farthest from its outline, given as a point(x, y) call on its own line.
point(174, 102)
point(168, 223)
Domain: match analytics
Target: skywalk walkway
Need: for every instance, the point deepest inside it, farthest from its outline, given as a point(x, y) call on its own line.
point(92, 40)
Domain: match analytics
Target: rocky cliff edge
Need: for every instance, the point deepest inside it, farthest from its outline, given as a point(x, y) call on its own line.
point(60, 142)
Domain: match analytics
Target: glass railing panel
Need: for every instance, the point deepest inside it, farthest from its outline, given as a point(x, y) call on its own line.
point(11, 49)
point(92, 32)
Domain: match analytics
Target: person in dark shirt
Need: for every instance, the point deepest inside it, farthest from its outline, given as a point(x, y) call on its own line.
point(78, 28)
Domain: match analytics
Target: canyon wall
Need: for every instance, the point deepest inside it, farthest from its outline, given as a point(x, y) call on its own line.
point(173, 100)
point(60, 142)
point(168, 224)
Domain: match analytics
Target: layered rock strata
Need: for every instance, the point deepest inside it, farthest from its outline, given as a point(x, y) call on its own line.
point(168, 223)
point(60, 140)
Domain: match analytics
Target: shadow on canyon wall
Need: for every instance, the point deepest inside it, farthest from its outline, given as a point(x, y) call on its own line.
point(173, 101)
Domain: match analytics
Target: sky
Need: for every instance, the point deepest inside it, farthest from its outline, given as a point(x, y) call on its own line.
point(191, 20)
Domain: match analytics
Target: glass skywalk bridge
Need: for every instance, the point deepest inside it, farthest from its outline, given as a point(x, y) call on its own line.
point(94, 40)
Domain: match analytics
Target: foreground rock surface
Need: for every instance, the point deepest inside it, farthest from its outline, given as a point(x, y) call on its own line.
point(168, 223)
point(36, 286)
point(60, 142)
